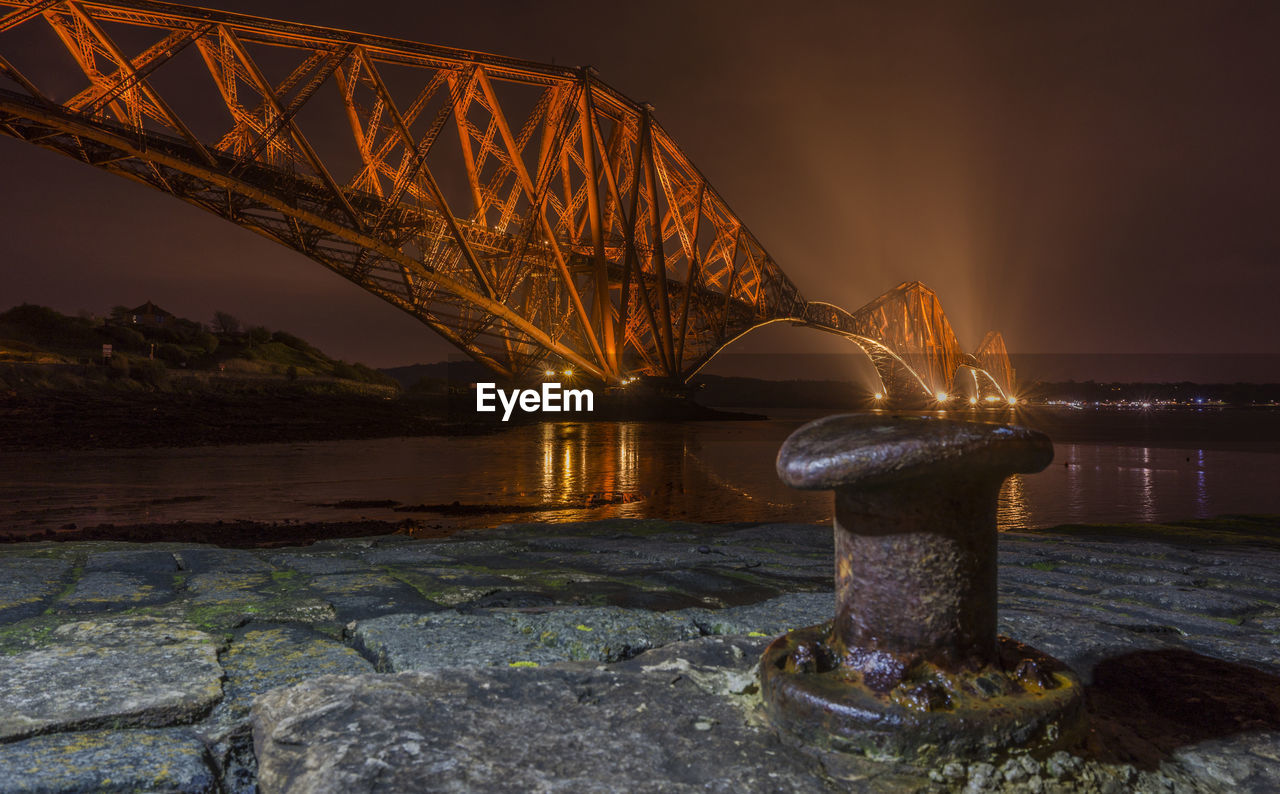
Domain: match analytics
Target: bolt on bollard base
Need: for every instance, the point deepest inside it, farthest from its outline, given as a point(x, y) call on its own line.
point(1024, 700)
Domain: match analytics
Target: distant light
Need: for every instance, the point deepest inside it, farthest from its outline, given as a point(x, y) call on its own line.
point(568, 372)
point(1013, 400)
point(879, 395)
point(942, 396)
point(973, 400)
point(549, 372)
point(992, 398)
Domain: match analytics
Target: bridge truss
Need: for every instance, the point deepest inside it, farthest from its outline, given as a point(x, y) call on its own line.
point(528, 213)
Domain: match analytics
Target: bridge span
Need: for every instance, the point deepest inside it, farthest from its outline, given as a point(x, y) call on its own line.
point(528, 213)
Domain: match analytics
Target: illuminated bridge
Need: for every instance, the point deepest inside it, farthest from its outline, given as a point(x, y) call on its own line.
point(530, 214)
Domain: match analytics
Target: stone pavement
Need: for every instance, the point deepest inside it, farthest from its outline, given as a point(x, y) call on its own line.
point(609, 656)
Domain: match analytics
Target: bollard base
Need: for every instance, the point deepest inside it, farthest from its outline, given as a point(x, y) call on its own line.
point(1026, 700)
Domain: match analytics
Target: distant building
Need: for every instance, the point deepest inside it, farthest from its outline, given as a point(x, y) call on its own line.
point(149, 314)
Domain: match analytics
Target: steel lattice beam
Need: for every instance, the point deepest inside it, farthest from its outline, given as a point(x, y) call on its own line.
point(566, 226)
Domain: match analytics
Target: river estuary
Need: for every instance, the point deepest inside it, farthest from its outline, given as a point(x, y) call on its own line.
point(719, 471)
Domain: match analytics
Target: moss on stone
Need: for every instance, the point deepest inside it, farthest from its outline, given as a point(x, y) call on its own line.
point(27, 634)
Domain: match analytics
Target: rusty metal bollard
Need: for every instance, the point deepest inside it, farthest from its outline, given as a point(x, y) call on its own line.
point(911, 666)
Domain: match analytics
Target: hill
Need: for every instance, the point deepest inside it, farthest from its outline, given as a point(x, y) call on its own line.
point(70, 351)
point(437, 376)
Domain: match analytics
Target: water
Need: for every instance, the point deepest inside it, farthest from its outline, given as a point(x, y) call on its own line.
point(698, 471)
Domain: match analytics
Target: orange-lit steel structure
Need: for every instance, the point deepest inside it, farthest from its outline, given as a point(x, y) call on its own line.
point(529, 213)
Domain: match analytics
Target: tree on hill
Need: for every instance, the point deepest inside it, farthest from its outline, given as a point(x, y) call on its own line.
point(225, 323)
point(259, 335)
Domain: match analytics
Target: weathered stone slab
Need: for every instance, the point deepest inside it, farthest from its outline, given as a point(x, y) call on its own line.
point(767, 618)
point(213, 560)
point(604, 634)
point(317, 564)
point(1243, 572)
point(1189, 624)
point(355, 596)
point(1248, 763)
point(356, 544)
point(102, 761)
point(1268, 621)
point(451, 586)
point(123, 672)
point(447, 639)
point(1256, 651)
point(629, 553)
point(679, 718)
point(262, 657)
point(794, 537)
point(1075, 610)
point(265, 656)
point(132, 562)
point(1056, 579)
point(1080, 644)
point(1009, 588)
point(1196, 600)
point(451, 638)
point(510, 599)
point(475, 548)
point(504, 730)
point(1116, 574)
point(103, 591)
point(711, 587)
point(410, 553)
point(221, 587)
point(285, 609)
point(220, 600)
point(623, 554)
point(718, 665)
point(26, 583)
point(1132, 555)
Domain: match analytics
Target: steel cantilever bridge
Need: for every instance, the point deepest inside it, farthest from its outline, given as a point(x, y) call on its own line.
point(530, 214)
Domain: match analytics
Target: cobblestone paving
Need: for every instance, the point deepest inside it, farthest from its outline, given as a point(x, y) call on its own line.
point(117, 657)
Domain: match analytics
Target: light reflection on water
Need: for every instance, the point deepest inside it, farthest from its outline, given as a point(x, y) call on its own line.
point(705, 471)
point(1089, 483)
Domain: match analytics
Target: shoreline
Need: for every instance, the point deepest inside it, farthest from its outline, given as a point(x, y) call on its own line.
point(1260, 529)
point(180, 666)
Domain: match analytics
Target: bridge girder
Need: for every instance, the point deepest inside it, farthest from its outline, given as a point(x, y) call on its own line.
point(529, 213)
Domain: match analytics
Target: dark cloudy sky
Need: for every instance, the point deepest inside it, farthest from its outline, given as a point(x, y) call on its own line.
point(1086, 177)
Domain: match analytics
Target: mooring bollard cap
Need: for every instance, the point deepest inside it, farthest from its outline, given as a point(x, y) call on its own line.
point(873, 449)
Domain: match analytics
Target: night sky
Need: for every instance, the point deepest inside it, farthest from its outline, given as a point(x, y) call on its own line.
point(1085, 177)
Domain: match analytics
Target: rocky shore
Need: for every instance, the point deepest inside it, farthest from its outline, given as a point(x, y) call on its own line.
point(611, 656)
